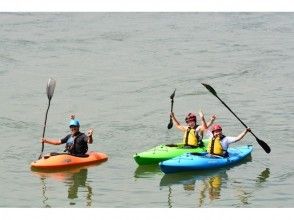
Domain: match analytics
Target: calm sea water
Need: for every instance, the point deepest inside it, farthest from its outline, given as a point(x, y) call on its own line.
point(116, 71)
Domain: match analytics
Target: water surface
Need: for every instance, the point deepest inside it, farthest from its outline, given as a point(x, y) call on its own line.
point(116, 71)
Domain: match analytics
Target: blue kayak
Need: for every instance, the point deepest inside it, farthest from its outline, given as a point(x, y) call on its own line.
point(204, 161)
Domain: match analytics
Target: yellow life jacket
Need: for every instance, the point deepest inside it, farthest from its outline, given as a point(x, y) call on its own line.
point(215, 146)
point(190, 139)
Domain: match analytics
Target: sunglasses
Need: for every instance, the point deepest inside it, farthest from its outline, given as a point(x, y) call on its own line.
point(72, 126)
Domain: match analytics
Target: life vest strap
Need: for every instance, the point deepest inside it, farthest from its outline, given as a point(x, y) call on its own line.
point(212, 146)
point(187, 136)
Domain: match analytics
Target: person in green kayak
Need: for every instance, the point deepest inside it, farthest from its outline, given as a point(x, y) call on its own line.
point(193, 132)
point(77, 142)
point(219, 143)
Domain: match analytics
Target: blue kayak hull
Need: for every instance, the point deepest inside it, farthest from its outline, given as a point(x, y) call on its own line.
point(203, 161)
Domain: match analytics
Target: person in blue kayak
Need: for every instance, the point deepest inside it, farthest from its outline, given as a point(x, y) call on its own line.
point(77, 142)
point(193, 133)
point(219, 143)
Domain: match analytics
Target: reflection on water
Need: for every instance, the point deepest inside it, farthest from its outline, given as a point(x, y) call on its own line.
point(147, 171)
point(44, 189)
point(73, 178)
point(79, 180)
point(263, 176)
point(212, 187)
point(244, 195)
point(169, 197)
point(208, 185)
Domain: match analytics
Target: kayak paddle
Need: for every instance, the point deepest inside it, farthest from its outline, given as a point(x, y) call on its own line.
point(50, 90)
point(170, 125)
point(264, 145)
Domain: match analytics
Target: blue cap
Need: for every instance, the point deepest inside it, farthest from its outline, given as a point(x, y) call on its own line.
point(74, 122)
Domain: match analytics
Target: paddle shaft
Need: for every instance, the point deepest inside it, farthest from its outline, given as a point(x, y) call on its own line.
point(172, 105)
point(44, 128)
point(264, 145)
point(234, 114)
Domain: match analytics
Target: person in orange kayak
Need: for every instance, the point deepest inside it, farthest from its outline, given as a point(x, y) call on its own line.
point(77, 142)
point(193, 132)
point(219, 143)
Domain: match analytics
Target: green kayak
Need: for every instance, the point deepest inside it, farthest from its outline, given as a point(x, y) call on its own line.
point(165, 152)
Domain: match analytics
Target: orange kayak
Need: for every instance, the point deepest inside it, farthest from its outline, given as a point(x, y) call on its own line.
point(65, 160)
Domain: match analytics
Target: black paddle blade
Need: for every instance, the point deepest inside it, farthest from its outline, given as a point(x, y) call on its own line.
point(210, 89)
point(173, 94)
point(50, 88)
point(170, 125)
point(264, 145)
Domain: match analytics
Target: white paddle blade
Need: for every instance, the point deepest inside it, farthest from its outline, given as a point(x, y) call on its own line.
point(50, 88)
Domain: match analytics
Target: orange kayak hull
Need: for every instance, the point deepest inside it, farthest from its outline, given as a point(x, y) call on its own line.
point(66, 160)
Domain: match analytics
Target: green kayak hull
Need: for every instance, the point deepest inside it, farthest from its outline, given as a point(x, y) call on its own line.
point(165, 152)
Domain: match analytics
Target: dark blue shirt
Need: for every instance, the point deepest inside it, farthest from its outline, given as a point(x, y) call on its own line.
point(76, 145)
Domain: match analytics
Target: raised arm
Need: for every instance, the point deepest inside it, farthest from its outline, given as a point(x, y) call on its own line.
point(177, 123)
point(90, 136)
point(240, 136)
point(203, 122)
point(212, 119)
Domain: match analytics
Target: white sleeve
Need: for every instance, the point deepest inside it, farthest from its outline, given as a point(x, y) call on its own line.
point(231, 139)
point(208, 134)
point(227, 141)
